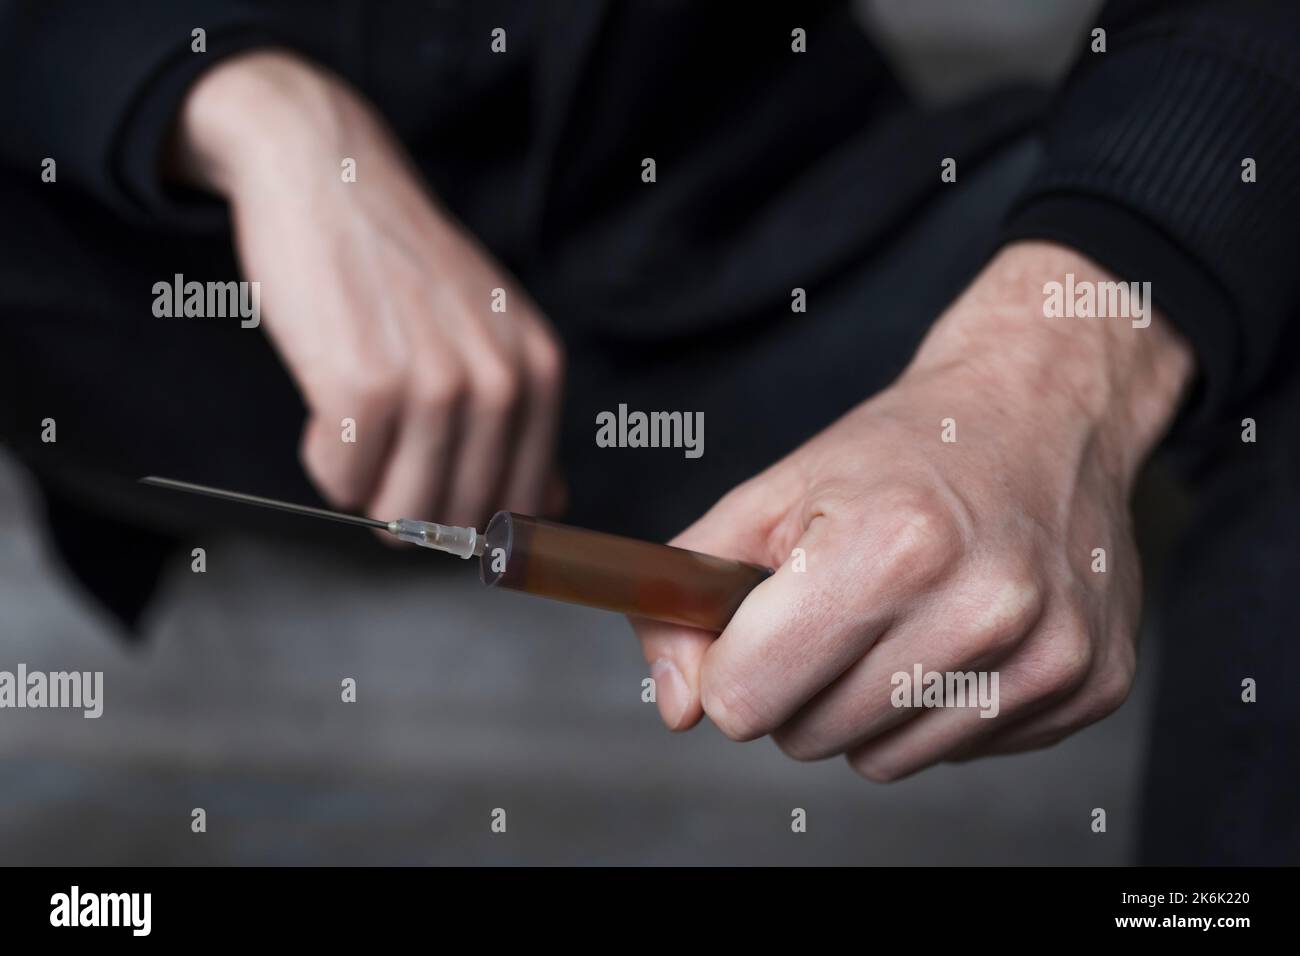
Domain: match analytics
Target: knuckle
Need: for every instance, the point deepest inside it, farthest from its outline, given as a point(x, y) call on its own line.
point(1064, 663)
point(370, 386)
point(1110, 698)
point(733, 710)
point(438, 389)
point(1013, 606)
point(496, 385)
point(548, 362)
point(1112, 690)
point(926, 540)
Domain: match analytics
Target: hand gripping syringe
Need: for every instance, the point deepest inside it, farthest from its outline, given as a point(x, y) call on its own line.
point(564, 563)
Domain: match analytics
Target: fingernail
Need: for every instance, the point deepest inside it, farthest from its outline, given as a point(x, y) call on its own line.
point(671, 692)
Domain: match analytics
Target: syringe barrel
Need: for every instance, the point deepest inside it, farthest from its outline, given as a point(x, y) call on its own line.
point(607, 571)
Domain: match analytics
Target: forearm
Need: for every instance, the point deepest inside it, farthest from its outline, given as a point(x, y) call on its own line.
point(270, 124)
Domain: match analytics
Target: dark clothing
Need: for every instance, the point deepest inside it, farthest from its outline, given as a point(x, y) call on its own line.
point(1223, 779)
point(538, 149)
point(775, 170)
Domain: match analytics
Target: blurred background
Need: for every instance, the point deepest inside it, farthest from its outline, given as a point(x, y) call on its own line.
point(469, 700)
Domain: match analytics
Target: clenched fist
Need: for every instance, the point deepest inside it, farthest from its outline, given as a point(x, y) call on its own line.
point(972, 517)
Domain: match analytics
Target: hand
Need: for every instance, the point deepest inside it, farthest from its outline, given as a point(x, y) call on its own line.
point(379, 304)
point(970, 555)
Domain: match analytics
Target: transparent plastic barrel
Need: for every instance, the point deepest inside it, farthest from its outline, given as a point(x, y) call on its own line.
point(633, 577)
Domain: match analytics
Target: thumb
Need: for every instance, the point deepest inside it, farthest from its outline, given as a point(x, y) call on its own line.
point(674, 654)
point(733, 528)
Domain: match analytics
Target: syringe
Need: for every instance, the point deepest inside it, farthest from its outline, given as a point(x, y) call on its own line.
point(564, 563)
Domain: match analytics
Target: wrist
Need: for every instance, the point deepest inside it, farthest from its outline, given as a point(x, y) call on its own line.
point(250, 112)
point(1120, 379)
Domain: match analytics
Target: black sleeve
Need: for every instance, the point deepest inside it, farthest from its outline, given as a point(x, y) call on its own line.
point(1144, 151)
point(96, 85)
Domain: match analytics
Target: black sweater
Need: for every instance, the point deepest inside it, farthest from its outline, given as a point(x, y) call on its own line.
point(1145, 143)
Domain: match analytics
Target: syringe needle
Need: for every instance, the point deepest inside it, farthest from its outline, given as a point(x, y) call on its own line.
point(261, 502)
point(462, 542)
